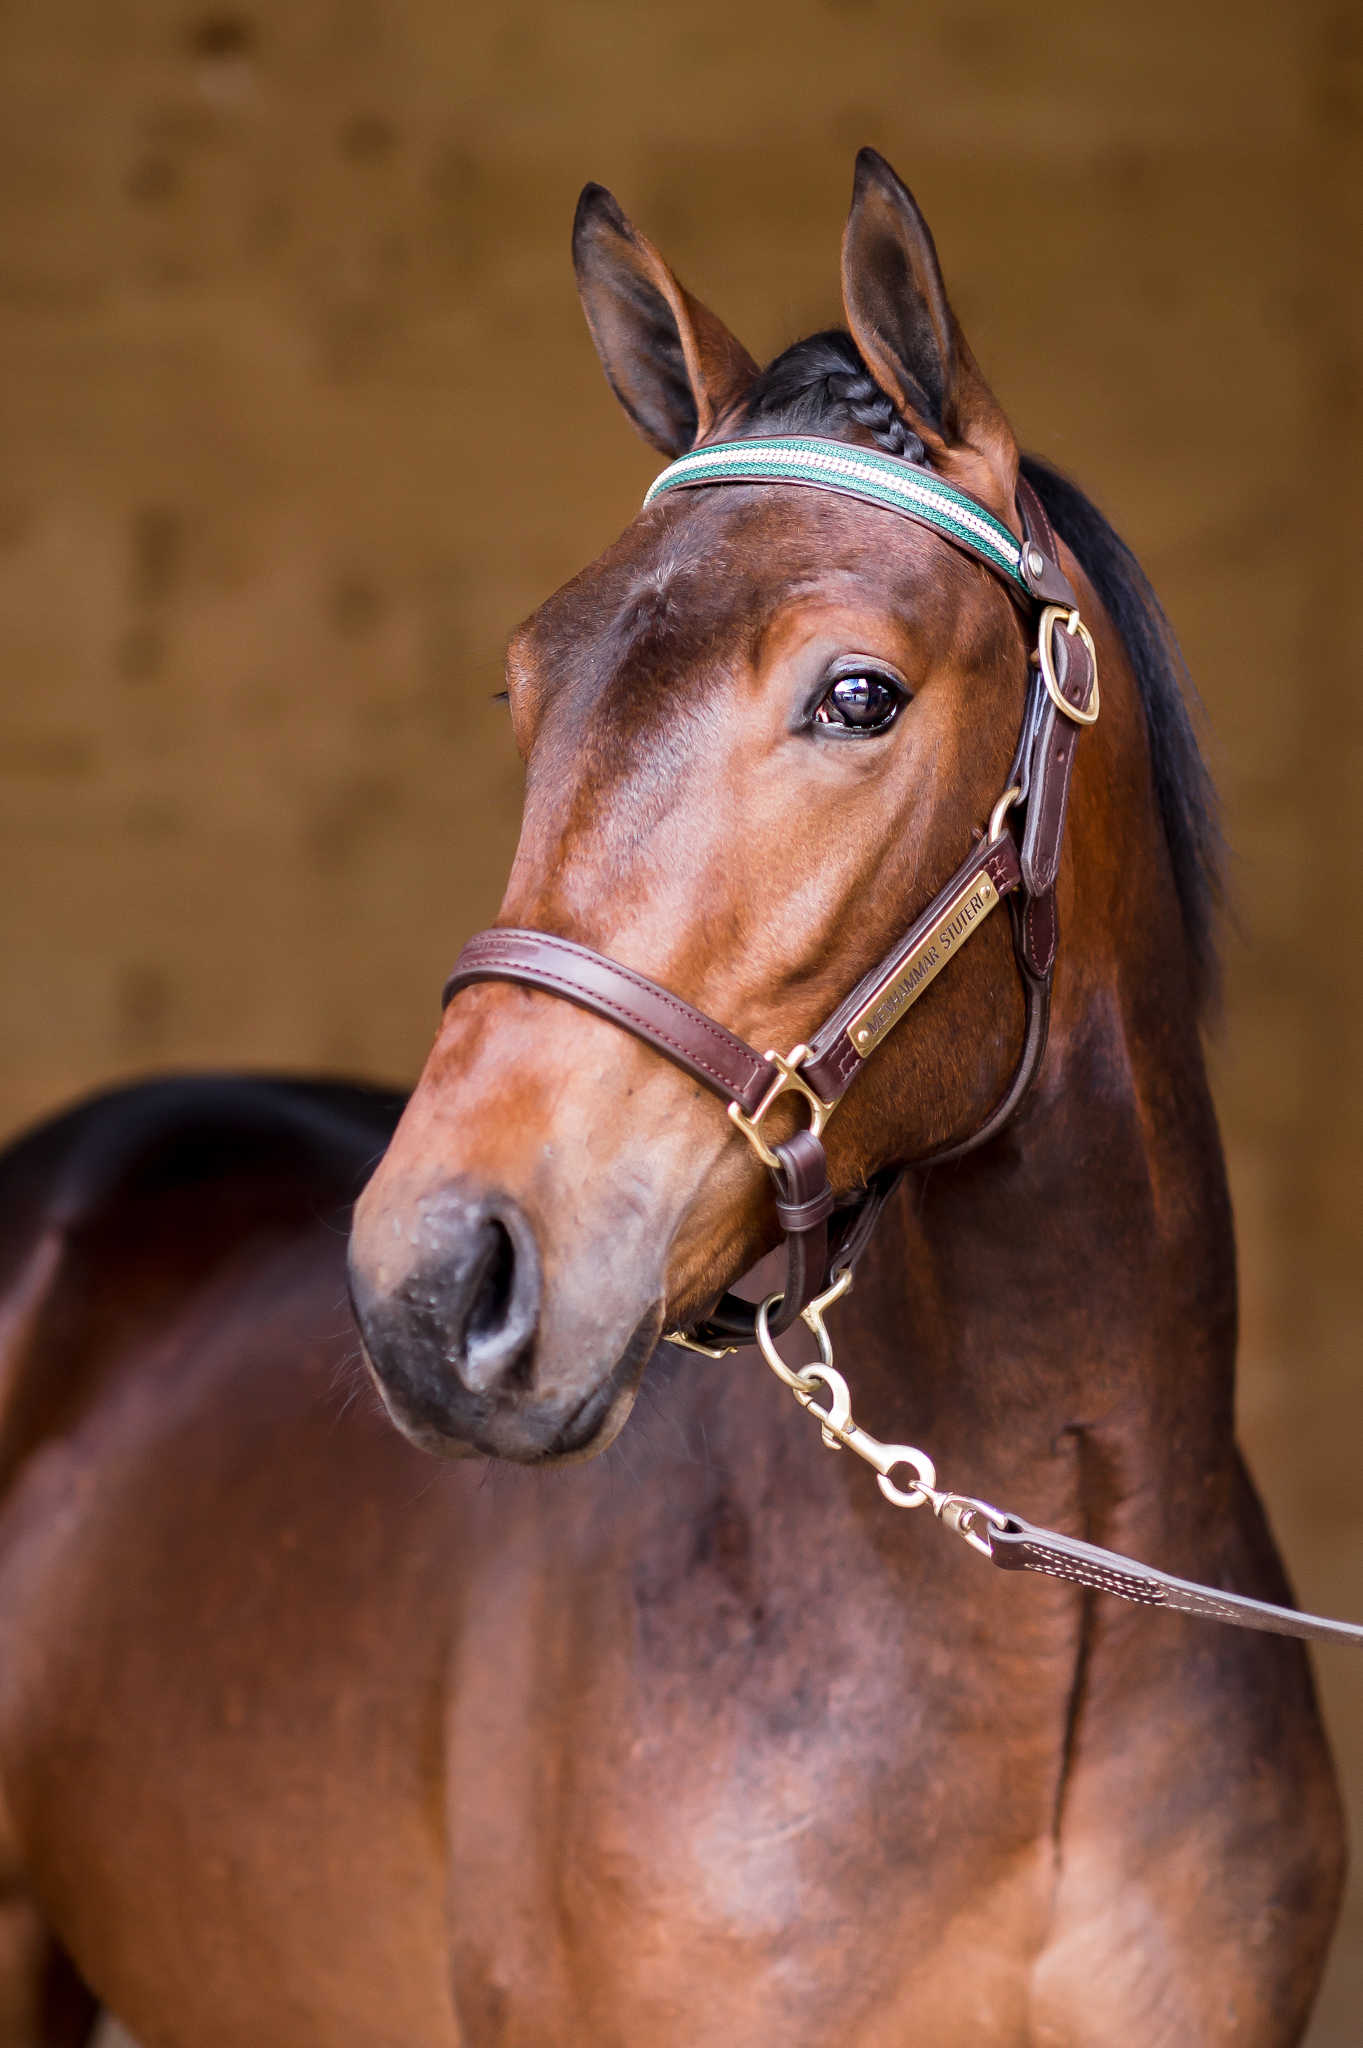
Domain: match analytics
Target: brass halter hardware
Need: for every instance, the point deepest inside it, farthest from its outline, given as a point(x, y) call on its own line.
point(786, 1078)
point(969, 1517)
point(1000, 812)
point(1008, 1540)
point(1050, 617)
point(819, 1113)
point(789, 1078)
point(685, 1343)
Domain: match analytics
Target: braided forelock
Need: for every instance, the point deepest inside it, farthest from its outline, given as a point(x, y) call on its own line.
point(822, 383)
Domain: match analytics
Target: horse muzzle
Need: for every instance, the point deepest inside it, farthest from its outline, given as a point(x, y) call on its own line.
point(449, 1297)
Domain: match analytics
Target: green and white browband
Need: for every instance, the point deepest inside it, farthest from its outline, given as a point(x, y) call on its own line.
point(855, 472)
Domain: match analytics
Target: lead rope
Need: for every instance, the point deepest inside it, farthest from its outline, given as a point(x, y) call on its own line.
point(1006, 1539)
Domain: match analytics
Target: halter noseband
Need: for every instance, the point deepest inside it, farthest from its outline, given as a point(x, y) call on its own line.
point(1062, 697)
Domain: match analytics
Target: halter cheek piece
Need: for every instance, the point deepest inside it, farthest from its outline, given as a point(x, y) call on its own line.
point(825, 1235)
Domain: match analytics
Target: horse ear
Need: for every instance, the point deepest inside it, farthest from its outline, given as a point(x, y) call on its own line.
point(674, 367)
point(900, 319)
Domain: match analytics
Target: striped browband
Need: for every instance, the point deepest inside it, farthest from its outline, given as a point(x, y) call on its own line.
point(864, 473)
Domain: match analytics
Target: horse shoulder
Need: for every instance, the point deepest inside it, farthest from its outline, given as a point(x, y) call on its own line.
point(113, 1214)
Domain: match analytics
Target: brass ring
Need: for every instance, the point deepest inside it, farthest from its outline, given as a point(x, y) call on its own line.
point(1000, 812)
point(838, 1414)
point(795, 1380)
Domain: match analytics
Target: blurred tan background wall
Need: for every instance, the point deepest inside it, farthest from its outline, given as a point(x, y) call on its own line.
point(299, 417)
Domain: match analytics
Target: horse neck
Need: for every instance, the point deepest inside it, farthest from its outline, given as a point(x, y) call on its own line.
point(1078, 1275)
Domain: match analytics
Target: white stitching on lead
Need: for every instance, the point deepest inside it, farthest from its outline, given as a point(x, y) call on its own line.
point(1079, 1572)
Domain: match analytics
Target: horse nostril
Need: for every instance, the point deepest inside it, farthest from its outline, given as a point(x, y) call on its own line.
point(462, 1318)
point(492, 1295)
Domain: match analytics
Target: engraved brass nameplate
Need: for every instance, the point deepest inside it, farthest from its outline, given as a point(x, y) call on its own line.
point(966, 910)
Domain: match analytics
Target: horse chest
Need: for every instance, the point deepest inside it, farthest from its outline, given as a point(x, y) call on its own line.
point(700, 1733)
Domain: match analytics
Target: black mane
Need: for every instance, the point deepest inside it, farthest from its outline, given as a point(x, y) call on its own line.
point(1189, 806)
point(822, 386)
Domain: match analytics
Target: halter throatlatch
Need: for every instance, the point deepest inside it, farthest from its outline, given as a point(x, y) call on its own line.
point(824, 1234)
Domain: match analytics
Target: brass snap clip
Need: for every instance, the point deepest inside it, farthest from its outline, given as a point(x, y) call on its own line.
point(1052, 615)
point(840, 1432)
point(970, 1518)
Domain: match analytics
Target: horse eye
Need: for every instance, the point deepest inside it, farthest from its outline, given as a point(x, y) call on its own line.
point(863, 703)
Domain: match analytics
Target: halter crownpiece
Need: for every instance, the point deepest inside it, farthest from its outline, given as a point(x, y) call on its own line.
point(864, 473)
point(1061, 697)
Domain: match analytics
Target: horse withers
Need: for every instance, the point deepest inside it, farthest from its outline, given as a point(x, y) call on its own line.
point(305, 1739)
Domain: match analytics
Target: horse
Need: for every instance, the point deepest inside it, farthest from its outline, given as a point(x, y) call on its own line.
point(636, 1715)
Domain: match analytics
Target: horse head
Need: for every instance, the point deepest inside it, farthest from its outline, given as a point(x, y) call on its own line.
point(758, 732)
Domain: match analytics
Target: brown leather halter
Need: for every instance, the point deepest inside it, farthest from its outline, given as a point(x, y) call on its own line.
point(826, 1234)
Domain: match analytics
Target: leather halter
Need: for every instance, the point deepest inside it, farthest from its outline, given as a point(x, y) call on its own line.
point(1062, 697)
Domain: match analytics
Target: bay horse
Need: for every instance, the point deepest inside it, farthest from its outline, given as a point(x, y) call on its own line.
point(308, 1739)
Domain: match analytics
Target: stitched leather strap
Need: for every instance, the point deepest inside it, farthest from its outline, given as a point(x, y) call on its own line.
point(693, 1041)
point(804, 1200)
point(1036, 1029)
point(1052, 763)
point(804, 1203)
point(683, 1034)
point(834, 1061)
point(1045, 579)
point(1021, 1547)
point(855, 1219)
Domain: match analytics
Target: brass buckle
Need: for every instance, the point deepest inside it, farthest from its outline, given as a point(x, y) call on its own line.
point(819, 1113)
point(786, 1078)
point(1073, 624)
